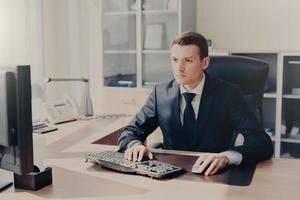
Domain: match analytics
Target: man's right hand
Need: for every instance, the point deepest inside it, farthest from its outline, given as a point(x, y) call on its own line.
point(137, 152)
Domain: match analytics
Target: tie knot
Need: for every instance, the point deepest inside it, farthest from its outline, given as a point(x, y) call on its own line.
point(188, 97)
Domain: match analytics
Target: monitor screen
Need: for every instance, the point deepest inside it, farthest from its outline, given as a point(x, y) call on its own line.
point(16, 144)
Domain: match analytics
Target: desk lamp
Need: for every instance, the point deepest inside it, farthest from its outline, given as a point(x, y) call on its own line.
point(86, 107)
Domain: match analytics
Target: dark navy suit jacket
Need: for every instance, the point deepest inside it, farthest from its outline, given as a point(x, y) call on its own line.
point(222, 111)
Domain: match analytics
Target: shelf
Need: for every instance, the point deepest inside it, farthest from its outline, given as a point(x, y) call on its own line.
point(151, 12)
point(119, 13)
point(294, 62)
point(149, 84)
point(124, 43)
point(291, 96)
point(119, 51)
point(270, 95)
point(290, 140)
point(156, 51)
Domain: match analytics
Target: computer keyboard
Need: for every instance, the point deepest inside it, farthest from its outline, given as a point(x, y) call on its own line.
point(116, 161)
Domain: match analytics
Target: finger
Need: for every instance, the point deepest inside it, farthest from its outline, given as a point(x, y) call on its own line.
point(212, 166)
point(135, 154)
point(150, 155)
point(223, 161)
point(205, 164)
point(141, 154)
point(129, 154)
point(217, 168)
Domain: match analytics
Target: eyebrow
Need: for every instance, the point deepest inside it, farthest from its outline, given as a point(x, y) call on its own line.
point(184, 57)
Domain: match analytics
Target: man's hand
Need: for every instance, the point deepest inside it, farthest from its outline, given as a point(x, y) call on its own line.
point(137, 152)
point(210, 163)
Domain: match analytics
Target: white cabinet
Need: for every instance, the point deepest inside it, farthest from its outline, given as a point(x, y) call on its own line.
point(136, 39)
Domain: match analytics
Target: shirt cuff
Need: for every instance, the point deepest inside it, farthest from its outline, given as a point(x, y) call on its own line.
point(133, 142)
point(235, 158)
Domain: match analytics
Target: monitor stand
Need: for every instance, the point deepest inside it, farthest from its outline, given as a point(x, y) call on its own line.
point(30, 181)
point(33, 180)
point(4, 185)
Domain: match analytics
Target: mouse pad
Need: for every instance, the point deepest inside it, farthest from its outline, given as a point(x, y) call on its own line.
point(233, 175)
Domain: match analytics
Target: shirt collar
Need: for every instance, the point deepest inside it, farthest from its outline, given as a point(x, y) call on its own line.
point(196, 90)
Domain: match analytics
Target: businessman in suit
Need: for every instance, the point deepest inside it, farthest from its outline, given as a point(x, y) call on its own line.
point(197, 112)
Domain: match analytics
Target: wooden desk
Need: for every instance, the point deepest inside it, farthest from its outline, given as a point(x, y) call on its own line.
point(75, 179)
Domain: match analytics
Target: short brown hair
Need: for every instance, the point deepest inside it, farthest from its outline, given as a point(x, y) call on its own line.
point(192, 38)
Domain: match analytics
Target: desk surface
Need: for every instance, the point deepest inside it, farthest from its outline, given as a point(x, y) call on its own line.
point(75, 179)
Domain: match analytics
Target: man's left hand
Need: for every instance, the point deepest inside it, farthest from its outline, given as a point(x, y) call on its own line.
point(211, 163)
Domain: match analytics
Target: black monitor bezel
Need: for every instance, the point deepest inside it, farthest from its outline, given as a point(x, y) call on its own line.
point(18, 157)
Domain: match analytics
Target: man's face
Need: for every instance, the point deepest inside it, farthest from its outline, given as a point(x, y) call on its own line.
point(187, 65)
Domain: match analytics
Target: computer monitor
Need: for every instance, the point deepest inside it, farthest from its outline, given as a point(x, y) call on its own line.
point(16, 144)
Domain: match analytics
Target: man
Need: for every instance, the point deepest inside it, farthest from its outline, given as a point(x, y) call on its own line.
point(197, 112)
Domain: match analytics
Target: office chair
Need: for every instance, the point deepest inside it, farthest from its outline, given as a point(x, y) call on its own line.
point(249, 73)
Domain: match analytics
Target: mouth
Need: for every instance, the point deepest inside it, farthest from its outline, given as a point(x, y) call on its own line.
point(180, 75)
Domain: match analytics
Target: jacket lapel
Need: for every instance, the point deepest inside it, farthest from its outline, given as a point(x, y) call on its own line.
point(175, 102)
point(205, 104)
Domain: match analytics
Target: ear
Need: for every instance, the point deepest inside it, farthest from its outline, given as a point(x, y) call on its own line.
point(205, 62)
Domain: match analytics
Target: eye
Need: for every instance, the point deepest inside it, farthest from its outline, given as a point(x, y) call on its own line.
point(174, 59)
point(188, 60)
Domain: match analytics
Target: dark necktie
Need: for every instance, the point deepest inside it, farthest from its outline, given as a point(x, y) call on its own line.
point(189, 119)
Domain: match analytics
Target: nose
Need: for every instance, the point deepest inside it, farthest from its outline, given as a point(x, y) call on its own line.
point(180, 66)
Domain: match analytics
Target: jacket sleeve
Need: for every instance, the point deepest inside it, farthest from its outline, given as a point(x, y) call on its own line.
point(142, 125)
point(257, 143)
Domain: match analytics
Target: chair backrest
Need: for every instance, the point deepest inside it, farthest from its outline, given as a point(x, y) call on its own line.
point(249, 73)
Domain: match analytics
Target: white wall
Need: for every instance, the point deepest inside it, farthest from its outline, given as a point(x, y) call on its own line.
point(256, 25)
point(56, 43)
point(72, 45)
point(14, 32)
point(20, 39)
point(95, 54)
